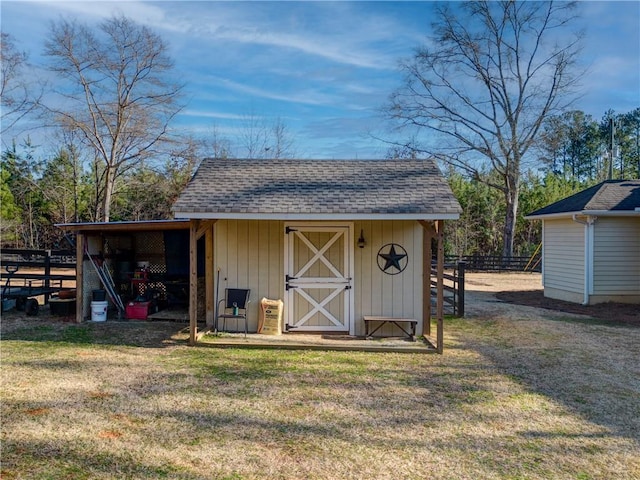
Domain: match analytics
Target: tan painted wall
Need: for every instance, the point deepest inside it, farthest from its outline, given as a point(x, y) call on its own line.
point(250, 254)
point(616, 258)
point(563, 261)
point(377, 293)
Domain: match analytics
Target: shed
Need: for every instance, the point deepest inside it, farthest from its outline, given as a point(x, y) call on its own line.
point(591, 244)
point(336, 240)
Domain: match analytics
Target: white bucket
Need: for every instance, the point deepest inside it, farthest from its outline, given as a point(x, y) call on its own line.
point(99, 311)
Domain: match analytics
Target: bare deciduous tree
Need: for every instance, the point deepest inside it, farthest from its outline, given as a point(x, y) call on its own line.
point(116, 91)
point(282, 144)
point(253, 136)
point(261, 139)
point(220, 146)
point(495, 72)
point(18, 95)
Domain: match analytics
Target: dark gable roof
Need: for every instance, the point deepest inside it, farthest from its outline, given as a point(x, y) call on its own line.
point(609, 196)
point(283, 187)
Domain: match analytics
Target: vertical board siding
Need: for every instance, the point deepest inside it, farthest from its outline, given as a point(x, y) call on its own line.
point(244, 270)
point(363, 279)
point(564, 255)
point(616, 256)
point(249, 255)
point(275, 260)
point(377, 293)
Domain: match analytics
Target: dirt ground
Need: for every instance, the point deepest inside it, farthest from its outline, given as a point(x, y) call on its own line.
point(526, 289)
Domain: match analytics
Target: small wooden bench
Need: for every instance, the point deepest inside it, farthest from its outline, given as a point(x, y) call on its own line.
point(398, 322)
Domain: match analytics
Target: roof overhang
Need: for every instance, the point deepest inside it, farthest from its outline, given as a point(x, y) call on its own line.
point(137, 226)
point(316, 216)
point(592, 213)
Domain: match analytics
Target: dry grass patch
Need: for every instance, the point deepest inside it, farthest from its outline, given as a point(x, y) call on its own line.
point(512, 398)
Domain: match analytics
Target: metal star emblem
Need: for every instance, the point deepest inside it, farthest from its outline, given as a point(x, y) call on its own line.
point(395, 257)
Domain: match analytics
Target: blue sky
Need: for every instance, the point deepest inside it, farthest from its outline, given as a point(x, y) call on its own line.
point(323, 68)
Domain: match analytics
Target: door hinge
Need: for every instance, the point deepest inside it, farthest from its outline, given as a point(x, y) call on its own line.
point(288, 230)
point(287, 286)
point(347, 287)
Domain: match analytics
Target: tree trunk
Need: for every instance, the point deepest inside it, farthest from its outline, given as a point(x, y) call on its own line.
point(108, 193)
point(511, 200)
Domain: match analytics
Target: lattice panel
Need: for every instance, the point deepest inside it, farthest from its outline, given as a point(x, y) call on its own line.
point(114, 244)
point(149, 247)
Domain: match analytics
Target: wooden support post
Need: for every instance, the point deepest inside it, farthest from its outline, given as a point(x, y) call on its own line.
point(193, 281)
point(209, 275)
point(79, 277)
point(440, 286)
point(427, 235)
point(203, 227)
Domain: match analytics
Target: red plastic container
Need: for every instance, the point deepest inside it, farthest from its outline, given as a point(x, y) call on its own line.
point(137, 310)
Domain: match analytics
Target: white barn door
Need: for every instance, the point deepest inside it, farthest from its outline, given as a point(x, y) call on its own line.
point(318, 277)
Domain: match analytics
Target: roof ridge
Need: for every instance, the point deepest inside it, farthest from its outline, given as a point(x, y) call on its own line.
point(220, 159)
point(601, 187)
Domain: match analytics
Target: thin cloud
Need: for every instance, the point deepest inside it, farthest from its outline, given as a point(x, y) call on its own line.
point(304, 97)
point(327, 49)
point(326, 31)
point(211, 114)
point(345, 43)
point(142, 12)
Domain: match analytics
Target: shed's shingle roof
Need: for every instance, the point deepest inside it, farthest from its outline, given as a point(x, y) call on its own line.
point(608, 196)
point(285, 186)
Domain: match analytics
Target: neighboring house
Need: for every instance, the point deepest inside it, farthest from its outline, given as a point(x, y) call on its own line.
point(591, 244)
point(334, 239)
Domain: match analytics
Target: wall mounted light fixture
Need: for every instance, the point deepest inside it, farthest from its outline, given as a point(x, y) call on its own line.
point(361, 240)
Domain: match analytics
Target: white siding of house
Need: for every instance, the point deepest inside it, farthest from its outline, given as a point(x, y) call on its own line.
point(616, 256)
point(563, 258)
point(250, 254)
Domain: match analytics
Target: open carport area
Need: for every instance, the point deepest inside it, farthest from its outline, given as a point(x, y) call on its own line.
point(520, 392)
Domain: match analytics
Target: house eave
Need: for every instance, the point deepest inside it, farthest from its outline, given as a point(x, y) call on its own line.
point(611, 213)
point(142, 225)
point(315, 216)
point(593, 213)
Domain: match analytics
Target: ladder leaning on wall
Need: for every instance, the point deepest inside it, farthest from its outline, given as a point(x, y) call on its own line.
point(107, 281)
point(529, 265)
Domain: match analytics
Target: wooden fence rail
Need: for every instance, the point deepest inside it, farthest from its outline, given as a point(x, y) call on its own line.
point(453, 288)
point(496, 263)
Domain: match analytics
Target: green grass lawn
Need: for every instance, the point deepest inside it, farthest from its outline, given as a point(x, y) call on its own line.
point(509, 399)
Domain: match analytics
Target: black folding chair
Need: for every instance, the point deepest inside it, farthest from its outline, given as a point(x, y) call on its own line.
point(236, 302)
